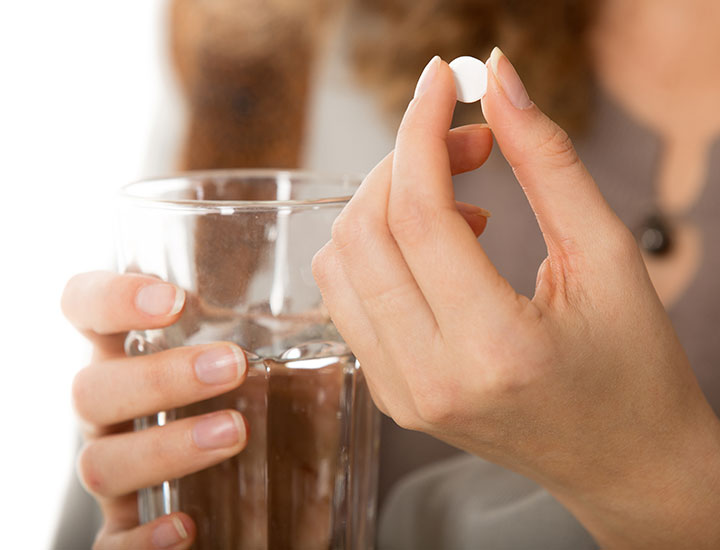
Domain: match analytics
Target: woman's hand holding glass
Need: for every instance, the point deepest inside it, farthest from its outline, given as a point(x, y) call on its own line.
point(114, 389)
point(584, 388)
point(116, 462)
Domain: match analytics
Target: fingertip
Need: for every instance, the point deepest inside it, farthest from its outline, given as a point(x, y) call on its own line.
point(444, 88)
point(493, 95)
point(103, 302)
point(477, 127)
point(179, 302)
point(77, 289)
point(434, 101)
point(159, 299)
point(480, 132)
point(476, 217)
point(427, 76)
point(173, 532)
point(243, 427)
point(183, 522)
point(495, 103)
point(176, 531)
point(242, 362)
point(189, 525)
point(469, 147)
point(421, 152)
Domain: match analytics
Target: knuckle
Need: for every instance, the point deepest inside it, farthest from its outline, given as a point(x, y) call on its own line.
point(436, 408)
point(434, 404)
point(500, 382)
point(391, 300)
point(88, 471)
point(320, 266)
point(68, 294)
point(412, 222)
point(353, 230)
point(623, 244)
point(101, 538)
point(407, 420)
point(558, 147)
point(515, 373)
point(81, 392)
point(343, 235)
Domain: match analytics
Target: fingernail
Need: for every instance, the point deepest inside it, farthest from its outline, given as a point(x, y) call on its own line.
point(160, 299)
point(509, 79)
point(474, 210)
point(217, 431)
point(169, 533)
point(219, 365)
point(427, 75)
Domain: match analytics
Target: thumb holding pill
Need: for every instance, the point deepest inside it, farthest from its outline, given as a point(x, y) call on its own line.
point(567, 202)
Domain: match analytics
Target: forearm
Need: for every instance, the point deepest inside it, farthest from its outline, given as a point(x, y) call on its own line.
point(668, 499)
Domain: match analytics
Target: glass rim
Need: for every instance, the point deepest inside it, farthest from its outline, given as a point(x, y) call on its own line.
point(349, 182)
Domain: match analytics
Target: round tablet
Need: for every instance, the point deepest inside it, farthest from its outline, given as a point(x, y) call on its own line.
point(470, 78)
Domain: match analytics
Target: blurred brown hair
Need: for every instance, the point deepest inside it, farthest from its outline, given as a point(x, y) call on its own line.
point(244, 68)
point(245, 65)
point(545, 39)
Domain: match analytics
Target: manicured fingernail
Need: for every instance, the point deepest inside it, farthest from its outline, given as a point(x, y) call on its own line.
point(160, 299)
point(427, 75)
point(217, 431)
point(169, 533)
point(219, 365)
point(509, 79)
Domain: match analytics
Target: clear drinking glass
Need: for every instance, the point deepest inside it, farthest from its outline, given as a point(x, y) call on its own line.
point(241, 243)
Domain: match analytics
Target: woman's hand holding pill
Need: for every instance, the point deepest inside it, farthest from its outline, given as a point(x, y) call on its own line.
point(584, 388)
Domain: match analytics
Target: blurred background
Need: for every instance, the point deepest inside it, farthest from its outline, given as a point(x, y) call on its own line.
point(89, 102)
point(79, 105)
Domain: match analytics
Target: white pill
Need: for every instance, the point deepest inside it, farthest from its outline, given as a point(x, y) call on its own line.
point(470, 78)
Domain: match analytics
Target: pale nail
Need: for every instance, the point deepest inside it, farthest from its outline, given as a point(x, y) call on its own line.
point(219, 365)
point(509, 80)
point(169, 533)
point(427, 75)
point(217, 431)
point(160, 299)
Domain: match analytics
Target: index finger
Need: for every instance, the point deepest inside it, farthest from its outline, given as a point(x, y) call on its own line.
point(441, 250)
point(103, 303)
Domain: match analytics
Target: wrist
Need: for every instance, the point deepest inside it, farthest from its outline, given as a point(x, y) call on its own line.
point(665, 495)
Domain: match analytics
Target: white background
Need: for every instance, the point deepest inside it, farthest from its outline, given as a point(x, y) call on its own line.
point(79, 89)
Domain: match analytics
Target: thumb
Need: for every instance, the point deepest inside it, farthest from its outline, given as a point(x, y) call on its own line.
point(569, 207)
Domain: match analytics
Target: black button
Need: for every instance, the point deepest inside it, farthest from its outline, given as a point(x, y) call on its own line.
point(654, 235)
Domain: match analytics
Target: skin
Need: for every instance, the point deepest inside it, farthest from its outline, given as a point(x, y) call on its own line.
point(585, 388)
point(606, 415)
point(114, 389)
point(107, 397)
